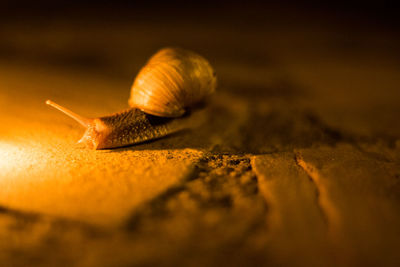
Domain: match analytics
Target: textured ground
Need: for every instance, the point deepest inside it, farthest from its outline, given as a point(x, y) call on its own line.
point(297, 161)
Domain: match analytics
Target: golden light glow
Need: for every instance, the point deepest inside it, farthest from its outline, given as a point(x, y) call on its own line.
point(8, 157)
point(16, 159)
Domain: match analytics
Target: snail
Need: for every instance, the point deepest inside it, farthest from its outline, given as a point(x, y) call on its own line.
point(172, 83)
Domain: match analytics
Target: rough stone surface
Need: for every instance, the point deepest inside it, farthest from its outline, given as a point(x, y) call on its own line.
point(295, 161)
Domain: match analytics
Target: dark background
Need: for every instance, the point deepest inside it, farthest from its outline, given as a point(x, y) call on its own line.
point(382, 12)
point(25, 24)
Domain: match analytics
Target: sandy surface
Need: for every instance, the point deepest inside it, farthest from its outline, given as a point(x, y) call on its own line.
point(296, 160)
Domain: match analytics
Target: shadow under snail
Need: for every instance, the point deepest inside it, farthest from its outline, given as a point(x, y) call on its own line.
point(172, 82)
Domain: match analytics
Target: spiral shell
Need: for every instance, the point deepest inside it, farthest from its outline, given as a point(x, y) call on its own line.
point(171, 81)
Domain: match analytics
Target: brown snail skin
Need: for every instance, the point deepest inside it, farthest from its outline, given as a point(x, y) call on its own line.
point(173, 82)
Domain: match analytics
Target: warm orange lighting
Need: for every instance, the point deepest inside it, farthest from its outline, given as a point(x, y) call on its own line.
point(14, 160)
point(7, 157)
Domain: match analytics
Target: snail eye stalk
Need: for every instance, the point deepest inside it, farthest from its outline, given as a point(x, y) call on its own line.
point(85, 122)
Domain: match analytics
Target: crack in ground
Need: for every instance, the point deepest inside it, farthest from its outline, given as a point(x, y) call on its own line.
point(217, 204)
point(216, 209)
point(328, 210)
point(208, 185)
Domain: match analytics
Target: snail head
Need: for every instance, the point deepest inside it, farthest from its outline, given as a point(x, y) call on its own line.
point(96, 132)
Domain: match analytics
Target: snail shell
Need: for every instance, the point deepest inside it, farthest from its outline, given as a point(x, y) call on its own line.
point(173, 81)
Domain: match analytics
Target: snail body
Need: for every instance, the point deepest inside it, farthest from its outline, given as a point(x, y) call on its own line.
point(172, 82)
